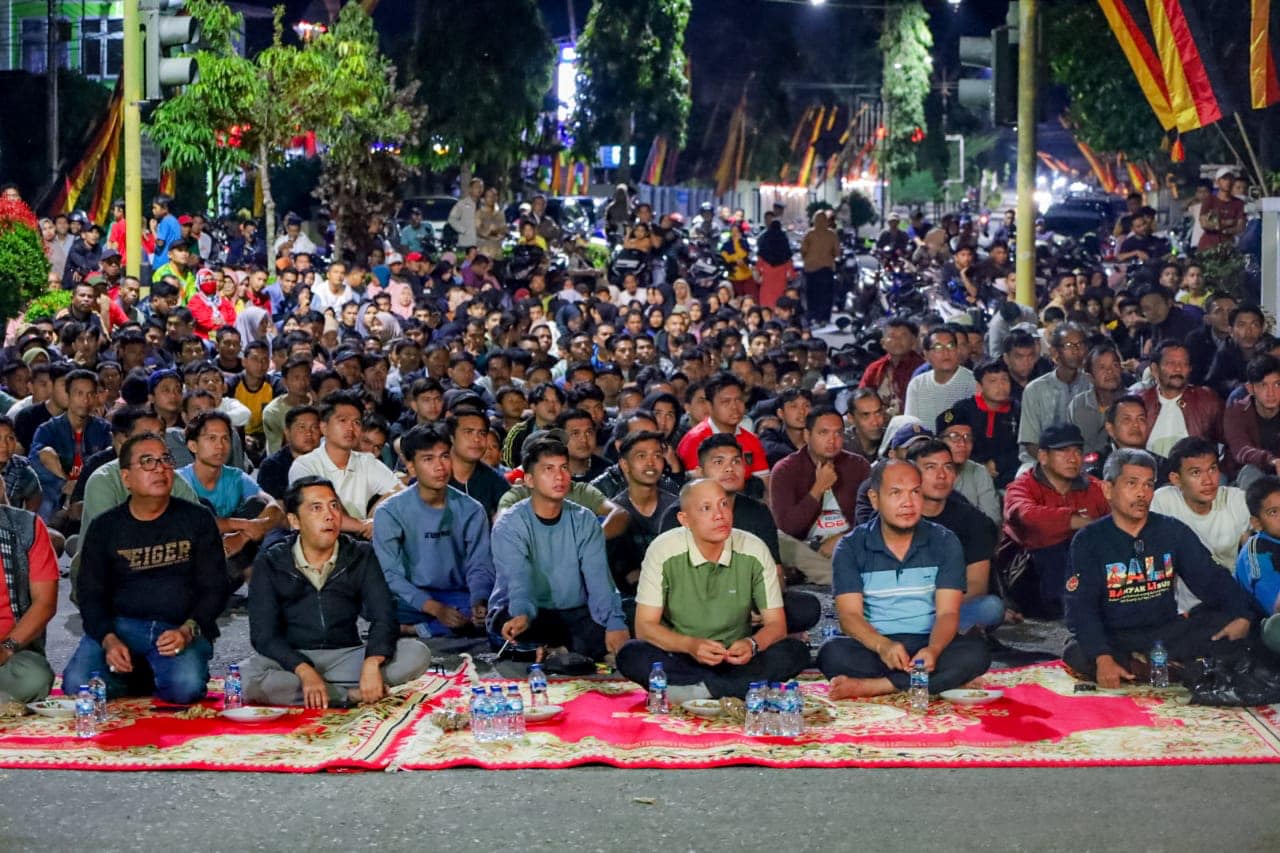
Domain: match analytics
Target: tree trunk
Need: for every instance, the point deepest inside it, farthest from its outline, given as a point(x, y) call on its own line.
point(336, 212)
point(268, 203)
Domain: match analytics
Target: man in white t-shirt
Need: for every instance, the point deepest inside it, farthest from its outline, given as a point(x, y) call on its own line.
point(1217, 514)
point(360, 479)
point(931, 393)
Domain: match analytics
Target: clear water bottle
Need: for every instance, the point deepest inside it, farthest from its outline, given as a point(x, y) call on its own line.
point(232, 689)
point(480, 714)
point(537, 686)
point(1159, 665)
point(773, 708)
point(86, 724)
point(498, 709)
point(757, 710)
point(98, 687)
point(919, 691)
point(792, 717)
point(515, 711)
point(658, 702)
point(830, 625)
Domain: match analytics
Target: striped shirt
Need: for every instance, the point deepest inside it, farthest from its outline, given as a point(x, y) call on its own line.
point(926, 399)
point(709, 599)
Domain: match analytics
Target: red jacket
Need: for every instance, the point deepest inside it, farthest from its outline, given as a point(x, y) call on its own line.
point(794, 509)
point(207, 317)
point(1037, 516)
point(1244, 445)
point(882, 372)
point(1201, 408)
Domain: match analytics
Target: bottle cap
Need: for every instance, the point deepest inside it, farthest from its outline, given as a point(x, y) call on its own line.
point(919, 662)
point(536, 666)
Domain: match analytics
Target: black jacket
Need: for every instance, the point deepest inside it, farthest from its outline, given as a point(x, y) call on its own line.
point(287, 613)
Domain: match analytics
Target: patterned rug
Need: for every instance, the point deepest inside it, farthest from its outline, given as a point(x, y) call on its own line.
point(142, 736)
point(1040, 722)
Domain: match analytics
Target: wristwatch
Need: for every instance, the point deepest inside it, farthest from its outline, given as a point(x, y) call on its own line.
point(10, 645)
point(193, 626)
point(755, 647)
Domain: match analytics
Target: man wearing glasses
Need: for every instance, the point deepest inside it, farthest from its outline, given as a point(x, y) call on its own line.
point(1047, 400)
point(932, 392)
point(151, 587)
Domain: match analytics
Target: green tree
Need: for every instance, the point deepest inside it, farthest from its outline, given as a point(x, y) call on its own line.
point(363, 163)
point(24, 269)
point(483, 68)
point(906, 43)
point(631, 74)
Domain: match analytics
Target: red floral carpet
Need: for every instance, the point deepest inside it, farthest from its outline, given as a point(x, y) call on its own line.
point(140, 737)
point(1040, 722)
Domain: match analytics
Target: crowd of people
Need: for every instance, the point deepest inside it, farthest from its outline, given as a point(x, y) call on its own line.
point(574, 469)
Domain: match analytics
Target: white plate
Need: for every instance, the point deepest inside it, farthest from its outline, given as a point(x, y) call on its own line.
point(708, 708)
point(965, 696)
point(253, 714)
point(55, 708)
point(545, 712)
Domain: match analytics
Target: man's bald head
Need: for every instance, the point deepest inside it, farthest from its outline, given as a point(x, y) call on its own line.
point(705, 510)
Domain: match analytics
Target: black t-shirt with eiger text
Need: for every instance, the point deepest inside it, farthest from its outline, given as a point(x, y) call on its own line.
point(169, 570)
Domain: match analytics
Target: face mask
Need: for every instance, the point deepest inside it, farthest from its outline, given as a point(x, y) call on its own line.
point(208, 287)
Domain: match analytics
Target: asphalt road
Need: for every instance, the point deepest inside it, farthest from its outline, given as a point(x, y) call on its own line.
point(586, 809)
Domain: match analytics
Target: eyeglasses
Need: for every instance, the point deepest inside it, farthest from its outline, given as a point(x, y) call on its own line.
point(958, 437)
point(1072, 345)
point(942, 347)
point(151, 463)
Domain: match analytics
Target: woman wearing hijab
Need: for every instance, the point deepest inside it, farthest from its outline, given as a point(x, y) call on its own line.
point(737, 255)
point(252, 324)
point(209, 311)
point(773, 262)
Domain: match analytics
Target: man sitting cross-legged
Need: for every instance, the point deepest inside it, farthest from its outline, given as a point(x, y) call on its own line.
point(697, 588)
point(553, 586)
point(152, 583)
point(305, 595)
point(898, 583)
point(433, 544)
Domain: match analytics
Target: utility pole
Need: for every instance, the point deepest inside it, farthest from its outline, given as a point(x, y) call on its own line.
point(51, 89)
point(133, 140)
point(1025, 221)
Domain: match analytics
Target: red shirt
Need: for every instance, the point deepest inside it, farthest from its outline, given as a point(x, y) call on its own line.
point(752, 450)
point(890, 380)
point(42, 567)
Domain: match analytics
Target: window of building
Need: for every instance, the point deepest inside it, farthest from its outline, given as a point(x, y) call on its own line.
point(35, 44)
point(102, 47)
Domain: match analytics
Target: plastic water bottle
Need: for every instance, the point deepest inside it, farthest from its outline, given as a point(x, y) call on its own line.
point(658, 702)
point(757, 710)
point(773, 707)
point(919, 691)
point(232, 689)
point(498, 710)
point(86, 725)
point(98, 688)
point(537, 686)
point(515, 712)
point(480, 728)
point(792, 717)
point(1159, 665)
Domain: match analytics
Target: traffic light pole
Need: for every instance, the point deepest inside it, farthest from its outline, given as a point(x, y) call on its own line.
point(133, 140)
point(1025, 221)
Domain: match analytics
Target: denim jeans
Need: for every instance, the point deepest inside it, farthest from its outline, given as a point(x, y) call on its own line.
point(428, 626)
point(180, 679)
point(982, 611)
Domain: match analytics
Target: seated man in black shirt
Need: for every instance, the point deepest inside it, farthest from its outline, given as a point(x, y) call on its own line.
point(720, 458)
point(642, 462)
point(1120, 594)
point(150, 587)
point(301, 436)
point(469, 432)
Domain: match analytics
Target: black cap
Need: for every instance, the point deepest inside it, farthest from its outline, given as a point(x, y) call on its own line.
point(1058, 436)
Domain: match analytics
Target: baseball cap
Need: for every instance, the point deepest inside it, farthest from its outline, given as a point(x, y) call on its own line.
point(895, 216)
point(108, 254)
point(412, 257)
point(159, 376)
point(34, 353)
point(908, 433)
point(184, 220)
point(395, 258)
point(1058, 436)
point(1224, 172)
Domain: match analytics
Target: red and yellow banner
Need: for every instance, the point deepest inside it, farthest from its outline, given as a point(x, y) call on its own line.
point(1264, 29)
point(105, 136)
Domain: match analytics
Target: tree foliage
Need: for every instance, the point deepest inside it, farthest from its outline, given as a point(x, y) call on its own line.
point(24, 269)
point(483, 68)
point(363, 167)
point(1108, 109)
point(906, 44)
point(632, 81)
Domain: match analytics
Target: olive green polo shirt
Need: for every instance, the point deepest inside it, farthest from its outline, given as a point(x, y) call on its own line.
point(701, 598)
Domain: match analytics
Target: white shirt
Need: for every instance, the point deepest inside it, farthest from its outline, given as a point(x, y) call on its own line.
point(1220, 529)
point(364, 478)
point(1170, 426)
point(302, 245)
point(926, 398)
point(830, 520)
point(234, 409)
point(322, 298)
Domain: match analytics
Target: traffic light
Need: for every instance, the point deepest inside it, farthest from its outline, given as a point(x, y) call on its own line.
point(996, 93)
point(164, 33)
